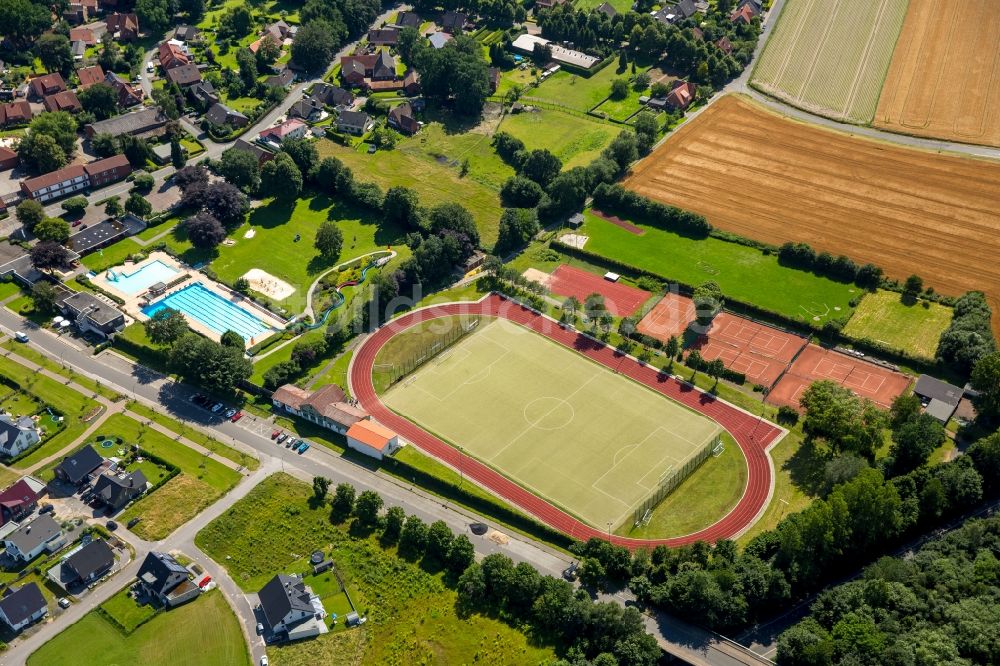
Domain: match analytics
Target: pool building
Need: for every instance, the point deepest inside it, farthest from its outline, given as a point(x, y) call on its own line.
point(161, 281)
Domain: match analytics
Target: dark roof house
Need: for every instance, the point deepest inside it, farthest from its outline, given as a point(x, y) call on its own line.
point(941, 398)
point(117, 490)
point(331, 95)
point(63, 101)
point(143, 124)
point(383, 36)
point(76, 468)
point(164, 578)
point(606, 8)
point(453, 22)
point(205, 93)
point(185, 75)
point(408, 20)
point(401, 118)
point(281, 79)
point(220, 114)
point(22, 606)
point(88, 564)
point(287, 603)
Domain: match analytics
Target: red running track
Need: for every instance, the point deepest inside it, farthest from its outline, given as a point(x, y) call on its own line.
point(753, 435)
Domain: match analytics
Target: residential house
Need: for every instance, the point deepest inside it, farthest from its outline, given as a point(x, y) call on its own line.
point(21, 606)
point(281, 31)
point(89, 76)
point(56, 184)
point(401, 118)
point(257, 43)
point(128, 95)
point(372, 439)
point(184, 76)
point(116, 490)
point(63, 101)
point(293, 128)
point(172, 56)
point(682, 95)
point(697, 33)
point(204, 94)
point(408, 20)
point(746, 12)
point(327, 406)
point(439, 39)
point(354, 122)
point(383, 36)
point(87, 564)
point(289, 607)
point(547, 4)
point(263, 155)
point(20, 499)
point(454, 22)
point(85, 35)
point(123, 27)
point(724, 45)
point(30, 540)
point(92, 315)
point(331, 95)
point(307, 109)
point(409, 84)
point(47, 84)
point(80, 11)
point(282, 79)
point(187, 33)
point(17, 435)
point(78, 49)
point(166, 580)
point(75, 469)
point(379, 66)
point(607, 9)
point(8, 158)
point(108, 170)
point(675, 13)
point(15, 113)
point(145, 124)
point(940, 399)
point(221, 115)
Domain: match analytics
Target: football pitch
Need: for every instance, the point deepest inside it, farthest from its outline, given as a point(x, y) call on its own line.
point(571, 431)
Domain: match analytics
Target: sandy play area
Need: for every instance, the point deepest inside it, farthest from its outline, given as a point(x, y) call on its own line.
point(265, 283)
point(538, 276)
point(574, 240)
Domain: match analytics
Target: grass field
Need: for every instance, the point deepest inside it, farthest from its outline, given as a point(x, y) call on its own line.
point(579, 92)
point(124, 610)
point(831, 57)
point(573, 139)
point(883, 317)
point(413, 615)
point(742, 272)
point(414, 340)
point(954, 42)
point(203, 632)
point(908, 211)
point(506, 395)
point(33, 355)
point(196, 436)
point(435, 180)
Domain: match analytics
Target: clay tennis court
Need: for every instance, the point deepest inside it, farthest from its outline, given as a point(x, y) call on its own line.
point(668, 318)
point(878, 384)
point(760, 352)
point(620, 299)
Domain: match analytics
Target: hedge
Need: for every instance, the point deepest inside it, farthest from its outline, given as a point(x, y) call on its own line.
point(651, 212)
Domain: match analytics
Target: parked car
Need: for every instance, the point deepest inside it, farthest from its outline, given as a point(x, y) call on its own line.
point(217, 407)
point(260, 628)
point(236, 417)
point(282, 437)
point(76, 223)
point(263, 661)
point(46, 508)
point(275, 434)
point(63, 602)
point(111, 525)
point(132, 523)
point(230, 413)
point(21, 336)
point(292, 443)
point(197, 398)
point(303, 448)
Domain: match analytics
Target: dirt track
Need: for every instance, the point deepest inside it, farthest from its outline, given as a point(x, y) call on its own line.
point(766, 177)
point(944, 80)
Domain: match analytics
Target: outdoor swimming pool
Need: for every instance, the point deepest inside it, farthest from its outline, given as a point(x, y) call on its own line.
point(145, 277)
point(211, 310)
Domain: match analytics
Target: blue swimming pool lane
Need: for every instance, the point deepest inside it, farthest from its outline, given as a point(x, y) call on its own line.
point(216, 313)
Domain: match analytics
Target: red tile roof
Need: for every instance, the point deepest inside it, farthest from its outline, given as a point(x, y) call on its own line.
point(89, 76)
point(371, 434)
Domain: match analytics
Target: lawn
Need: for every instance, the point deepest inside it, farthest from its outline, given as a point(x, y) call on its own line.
point(703, 498)
point(70, 404)
point(439, 142)
point(203, 632)
point(573, 139)
point(414, 341)
point(111, 256)
point(789, 495)
point(273, 247)
point(124, 610)
point(579, 92)
point(412, 614)
point(174, 503)
point(198, 437)
point(31, 354)
point(436, 181)
point(742, 272)
point(8, 289)
point(883, 317)
point(536, 412)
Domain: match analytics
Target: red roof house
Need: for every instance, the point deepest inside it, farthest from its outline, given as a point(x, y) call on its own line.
point(682, 96)
point(47, 84)
point(89, 76)
point(17, 501)
point(63, 101)
point(172, 56)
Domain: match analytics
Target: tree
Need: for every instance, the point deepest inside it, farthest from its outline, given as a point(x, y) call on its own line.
point(75, 205)
point(329, 240)
point(906, 407)
point(413, 537)
point(343, 502)
point(204, 231)
point(138, 205)
point(154, 15)
point(402, 207)
point(29, 213)
point(233, 340)
point(708, 301)
point(113, 208)
point(806, 643)
point(47, 255)
point(105, 145)
point(304, 153)
point(41, 153)
point(409, 38)
point(193, 8)
point(846, 421)
point(236, 22)
point(914, 441)
point(247, 63)
point(986, 380)
point(619, 89)
point(521, 192)
point(240, 168)
point(55, 53)
point(623, 150)
point(591, 572)
point(281, 178)
point(913, 286)
point(178, 155)
point(646, 131)
point(439, 540)
point(99, 99)
point(22, 21)
point(672, 346)
point(166, 326)
point(208, 363)
point(461, 554)
point(321, 485)
point(394, 519)
point(167, 103)
point(367, 507)
point(268, 51)
point(517, 227)
point(52, 229)
point(314, 45)
point(143, 182)
point(226, 203)
point(541, 166)
point(43, 297)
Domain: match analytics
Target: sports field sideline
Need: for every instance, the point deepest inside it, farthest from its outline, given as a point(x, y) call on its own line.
point(543, 415)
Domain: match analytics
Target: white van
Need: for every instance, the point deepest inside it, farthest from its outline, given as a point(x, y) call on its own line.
point(20, 336)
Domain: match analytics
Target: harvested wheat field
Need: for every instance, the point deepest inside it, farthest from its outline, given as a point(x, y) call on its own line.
point(944, 80)
point(766, 177)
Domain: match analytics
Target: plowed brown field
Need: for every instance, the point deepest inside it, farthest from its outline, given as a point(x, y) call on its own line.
point(764, 176)
point(944, 79)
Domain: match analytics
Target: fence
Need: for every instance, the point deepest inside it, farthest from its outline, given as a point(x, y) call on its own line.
point(674, 479)
point(396, 371)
